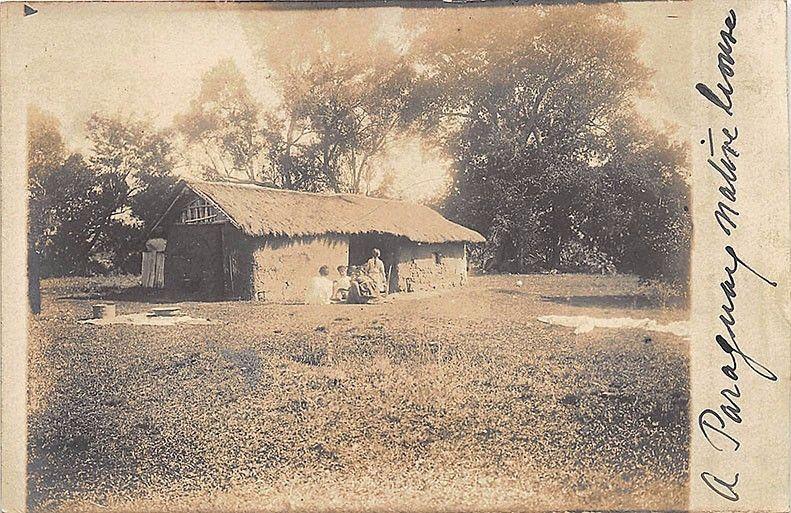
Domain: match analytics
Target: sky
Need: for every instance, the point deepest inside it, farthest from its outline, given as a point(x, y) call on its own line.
point(146, 60)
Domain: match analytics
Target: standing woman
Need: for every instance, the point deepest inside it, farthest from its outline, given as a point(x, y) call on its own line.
point(375, 269)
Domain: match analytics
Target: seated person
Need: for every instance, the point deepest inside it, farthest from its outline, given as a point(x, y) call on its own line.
point(363, 288)
point(341, 286)
point(320, 288)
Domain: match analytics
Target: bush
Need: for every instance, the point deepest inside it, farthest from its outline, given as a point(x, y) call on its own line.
point(577, 257)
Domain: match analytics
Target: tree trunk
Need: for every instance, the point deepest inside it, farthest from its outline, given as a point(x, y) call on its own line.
point(287, 162)
point(553, 252)
point(33, 277)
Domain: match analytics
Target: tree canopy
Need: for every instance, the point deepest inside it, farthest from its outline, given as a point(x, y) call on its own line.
point(535, 108)
point(91, 214)
point(334, 120)
point(552, 163)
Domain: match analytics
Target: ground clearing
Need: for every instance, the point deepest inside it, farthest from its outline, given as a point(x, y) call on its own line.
point(456, 401)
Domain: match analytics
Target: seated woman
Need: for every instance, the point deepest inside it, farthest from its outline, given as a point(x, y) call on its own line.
point(320, 288)
point(363, 289)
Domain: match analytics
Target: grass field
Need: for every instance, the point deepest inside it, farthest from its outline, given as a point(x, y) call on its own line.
point(459, 401)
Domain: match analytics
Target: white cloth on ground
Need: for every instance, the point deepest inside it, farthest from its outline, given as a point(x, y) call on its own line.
point(148, 319)
point(585, 324)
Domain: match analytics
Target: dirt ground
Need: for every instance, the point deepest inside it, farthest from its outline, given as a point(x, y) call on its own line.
point(457, 401)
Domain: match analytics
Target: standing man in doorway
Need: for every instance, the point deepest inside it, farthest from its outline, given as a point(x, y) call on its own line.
point(375, 269)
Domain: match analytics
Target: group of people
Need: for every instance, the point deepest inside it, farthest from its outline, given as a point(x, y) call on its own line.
point(354, 284)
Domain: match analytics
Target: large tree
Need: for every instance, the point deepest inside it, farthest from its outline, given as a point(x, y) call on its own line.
point(549, 154)
point(133, 163)
point(104, 203)
point(334, 119)
point(223, 126)
point(343, 84)
point(46, 153)
point(350, 113)
point(62, 198)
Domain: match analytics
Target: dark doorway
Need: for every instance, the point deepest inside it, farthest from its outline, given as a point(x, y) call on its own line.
point(361, 246)
point(194, 260)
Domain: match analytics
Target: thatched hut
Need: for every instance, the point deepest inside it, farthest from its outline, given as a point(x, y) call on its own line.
point(251, 242)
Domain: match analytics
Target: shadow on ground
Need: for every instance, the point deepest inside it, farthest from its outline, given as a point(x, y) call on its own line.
point(139, 294)
point(630, 301)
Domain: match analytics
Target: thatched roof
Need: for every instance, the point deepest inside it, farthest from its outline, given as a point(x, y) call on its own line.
point(264, 211)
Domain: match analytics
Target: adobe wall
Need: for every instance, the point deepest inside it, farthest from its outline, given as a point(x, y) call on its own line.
point(217, 260)
point(420, 268)
point(283, 267)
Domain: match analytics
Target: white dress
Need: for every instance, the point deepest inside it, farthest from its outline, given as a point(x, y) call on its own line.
point(319, 291)
point(375, 268)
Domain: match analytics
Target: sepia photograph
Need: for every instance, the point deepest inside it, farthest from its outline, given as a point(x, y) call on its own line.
point(360, 256)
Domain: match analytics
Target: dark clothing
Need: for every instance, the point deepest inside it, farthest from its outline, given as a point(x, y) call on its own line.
point(362, 290)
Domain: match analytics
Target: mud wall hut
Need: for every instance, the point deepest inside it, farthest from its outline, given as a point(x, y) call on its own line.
point(244, 241)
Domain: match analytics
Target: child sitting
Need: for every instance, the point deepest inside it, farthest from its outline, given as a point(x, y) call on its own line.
point(340, 287)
